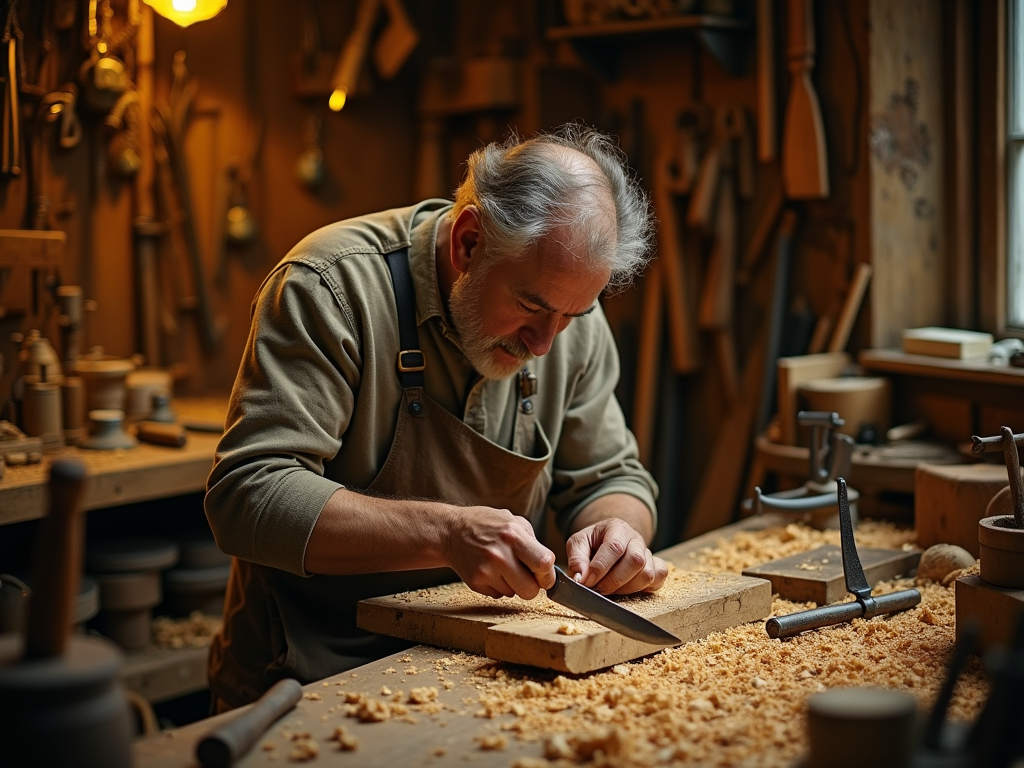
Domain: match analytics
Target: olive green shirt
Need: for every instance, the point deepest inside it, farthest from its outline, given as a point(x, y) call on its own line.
point(316, 399)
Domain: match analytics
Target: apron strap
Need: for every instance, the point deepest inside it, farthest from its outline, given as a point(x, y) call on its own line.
point(411, 361)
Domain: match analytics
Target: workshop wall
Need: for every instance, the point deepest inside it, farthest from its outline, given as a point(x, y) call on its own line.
point(252, 118)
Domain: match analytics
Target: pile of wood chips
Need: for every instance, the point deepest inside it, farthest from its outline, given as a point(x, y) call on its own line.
point(736, 698)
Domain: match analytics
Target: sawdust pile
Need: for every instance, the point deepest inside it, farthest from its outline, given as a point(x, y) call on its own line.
point(194, 631)
point(735, 698)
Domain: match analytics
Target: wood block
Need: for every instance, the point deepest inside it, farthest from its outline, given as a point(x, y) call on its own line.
point(946, 342)
point(817, 575)
point(794, 371)
point(949, 500)
point(691, 605)
point(997, 609)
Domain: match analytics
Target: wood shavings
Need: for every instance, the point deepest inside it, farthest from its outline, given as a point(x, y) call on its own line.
point(568, 629)
point(422, 695)
point(195, 631)
point(346, 741)
point(492, 742)
point(735, 698)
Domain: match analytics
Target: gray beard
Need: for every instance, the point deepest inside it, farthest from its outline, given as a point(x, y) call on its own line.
point(464, 302)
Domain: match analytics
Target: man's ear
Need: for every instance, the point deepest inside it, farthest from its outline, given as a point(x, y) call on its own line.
point(466, 236)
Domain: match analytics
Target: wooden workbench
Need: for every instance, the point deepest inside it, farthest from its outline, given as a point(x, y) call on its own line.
point(143, 473)
point(447, 737)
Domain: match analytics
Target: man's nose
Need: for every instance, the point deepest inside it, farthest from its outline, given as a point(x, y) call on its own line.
point(538, 336)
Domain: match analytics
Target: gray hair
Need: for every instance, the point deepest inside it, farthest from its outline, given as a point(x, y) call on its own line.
point(526, 189)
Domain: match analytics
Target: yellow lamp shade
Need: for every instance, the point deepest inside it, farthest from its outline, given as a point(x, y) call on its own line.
point(185, 12)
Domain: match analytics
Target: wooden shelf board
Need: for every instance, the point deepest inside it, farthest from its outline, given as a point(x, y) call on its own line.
point(143, 473)
point(161, 674)
point(645, 26)
point(977, 371)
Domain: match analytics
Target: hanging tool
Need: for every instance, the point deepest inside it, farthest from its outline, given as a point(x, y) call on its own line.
point(11, 58)
point(804, 154)
point(865, 606)
point(715, 313)
point(766, 133)
point(675, 167)
point(168, 129)
point(396, 43)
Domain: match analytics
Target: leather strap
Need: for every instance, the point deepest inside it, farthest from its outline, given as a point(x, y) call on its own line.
point(410, 362)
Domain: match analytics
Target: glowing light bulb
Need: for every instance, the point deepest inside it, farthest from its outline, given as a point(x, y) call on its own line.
point(184, 6)
point(337, 100)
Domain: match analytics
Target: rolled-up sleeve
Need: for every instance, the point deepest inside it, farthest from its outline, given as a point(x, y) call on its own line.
point(292, 400)
point(596, 454)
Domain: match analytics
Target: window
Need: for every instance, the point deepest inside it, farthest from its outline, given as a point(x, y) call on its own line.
point(1015, 164)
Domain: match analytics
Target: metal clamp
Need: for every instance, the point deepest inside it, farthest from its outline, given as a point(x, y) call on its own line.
point(866, 606)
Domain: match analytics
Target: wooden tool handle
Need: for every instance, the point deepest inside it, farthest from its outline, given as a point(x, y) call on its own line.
point(57, 564)
point(801, 30)
point(228, 743)
point(160, 433)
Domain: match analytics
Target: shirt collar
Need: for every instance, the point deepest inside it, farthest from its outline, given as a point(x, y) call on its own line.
point(423, 264)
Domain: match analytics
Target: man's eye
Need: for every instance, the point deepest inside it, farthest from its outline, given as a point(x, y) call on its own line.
point(527, 309)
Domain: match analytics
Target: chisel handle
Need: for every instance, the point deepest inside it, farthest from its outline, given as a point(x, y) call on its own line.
point(837, 613)
point(228, 743)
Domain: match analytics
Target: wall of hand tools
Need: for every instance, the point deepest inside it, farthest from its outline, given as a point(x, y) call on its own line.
point(793, 152)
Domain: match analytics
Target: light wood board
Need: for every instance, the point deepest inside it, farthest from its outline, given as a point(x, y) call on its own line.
point(817, 576)
point(690, 605)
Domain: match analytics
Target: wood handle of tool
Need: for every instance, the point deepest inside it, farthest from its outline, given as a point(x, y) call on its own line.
point(851, 307)
point(766, 138)
point(716, 302)
point(801, 30)
point(57, 563)
point(647, 363)
point(699, 214)
point(230, 742)
point(682, 333)
point(762, 231)
point(161, 433)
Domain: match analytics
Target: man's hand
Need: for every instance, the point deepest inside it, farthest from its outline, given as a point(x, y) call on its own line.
point(497, 554)
point(612, 558)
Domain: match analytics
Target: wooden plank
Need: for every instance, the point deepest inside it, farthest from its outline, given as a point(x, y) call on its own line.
point(32, 249)
point(794, 371)
point(817, 575)
point(907, 181)
point(690, 604)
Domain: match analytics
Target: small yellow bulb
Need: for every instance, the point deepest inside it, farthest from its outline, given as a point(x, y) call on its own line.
point(337, 100)
point(184, 6)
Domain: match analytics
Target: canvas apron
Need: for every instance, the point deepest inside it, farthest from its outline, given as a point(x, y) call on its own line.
point(281, 625)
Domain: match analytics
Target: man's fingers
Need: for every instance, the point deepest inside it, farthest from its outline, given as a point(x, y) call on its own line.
point(632, 565)
point(649, 579)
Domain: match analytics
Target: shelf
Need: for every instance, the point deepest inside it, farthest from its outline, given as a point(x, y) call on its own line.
point(143, 473)
point(978, 371)
point(722, 36)
point(162, 674)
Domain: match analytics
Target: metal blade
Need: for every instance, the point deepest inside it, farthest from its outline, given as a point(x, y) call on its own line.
point(607, 612)
point(856, 583)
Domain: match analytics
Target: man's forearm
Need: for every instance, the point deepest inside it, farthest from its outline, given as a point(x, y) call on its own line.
point(356, 533)
point(619, 505)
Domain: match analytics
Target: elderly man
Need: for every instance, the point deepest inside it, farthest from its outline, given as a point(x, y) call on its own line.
point(419, 387)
